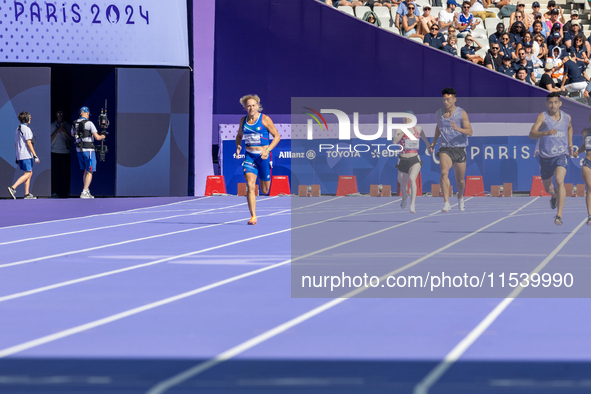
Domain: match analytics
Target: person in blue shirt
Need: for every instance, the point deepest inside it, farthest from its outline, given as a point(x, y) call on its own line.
point(506, 49)
point(496, 37)
point(506, 68)
point(434, 39)
point(539, 27)
point(451, 46)
point(573, 78)
point(516, 33)
point(469, 53)
point(256, 129)
point(575, 29)
point(466, 20)
point(527, 64)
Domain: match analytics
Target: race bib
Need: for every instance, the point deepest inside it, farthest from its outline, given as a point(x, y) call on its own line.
point(588, 142)
point(411, 144)
point(252, 139)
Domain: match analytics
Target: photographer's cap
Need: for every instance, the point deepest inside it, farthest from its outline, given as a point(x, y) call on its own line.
point(85, 109)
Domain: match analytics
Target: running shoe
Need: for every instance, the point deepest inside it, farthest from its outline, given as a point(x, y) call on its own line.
point(30, 197)
point(86, 194)
point(413, 209)
point(553, 203)
point(558, 220)
point(446, 207)
point(461, 205)
point(403, 202)
point(252, 221)
point(12, 192)
point(589, 221)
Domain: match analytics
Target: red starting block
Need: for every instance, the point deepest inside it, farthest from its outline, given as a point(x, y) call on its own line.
point(435, 190)
point(495, 191)
point(380, 190)
point(347, 185)
point(537, 187)
point(568, 187)
point(242, 190)
point(419, 183)
point(507, 190)
point(279, 186)
point(580, 190)
point(474, 187)
point(215, 184)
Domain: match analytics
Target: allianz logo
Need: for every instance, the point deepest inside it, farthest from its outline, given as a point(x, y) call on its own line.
point(292, 155)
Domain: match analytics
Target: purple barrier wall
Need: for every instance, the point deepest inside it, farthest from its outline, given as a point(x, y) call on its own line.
point(281, 49)
point(203, 60)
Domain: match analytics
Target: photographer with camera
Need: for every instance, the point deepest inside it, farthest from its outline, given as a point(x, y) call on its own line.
point(25, 155)
point(84, 131)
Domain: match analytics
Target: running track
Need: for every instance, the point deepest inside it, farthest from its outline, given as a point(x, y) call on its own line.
point(180, 296)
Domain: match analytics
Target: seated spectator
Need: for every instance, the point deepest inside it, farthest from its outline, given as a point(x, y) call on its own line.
point(383, 3)
point(451, 31)
point(516, 34)
point(538, 65)
point(452, 45)
point(543, 48)
point(573, 78)
point(556, 43)
point(522, 62)
point(546, 82)
point(496, 37)
point(575, 29)
point(519, 15)
point(402, 10)
point(429, 20)
point(505, 7)
point(372, 18)
point(558, 71)
point(553, 8)
point(410, 23)
point(574, 16)
point(466, 21)
point(469, 53)
point(493, 60)
point(522, 75)
point(579, 49)
point(434, 39)
point(479, 7)
point(530, 18)
point(527, 37)
point(554, 19)
point(447, 17)
point(341, 3)
point(507, 68)
point(538, 27)
point(506, 49)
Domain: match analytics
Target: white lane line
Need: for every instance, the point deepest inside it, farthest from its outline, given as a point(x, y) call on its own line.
point(236, 350)
point(102, 214)
point(119, 225)
point(84, 327)
point(162, 260)
point(122, 242)
point(432, 377)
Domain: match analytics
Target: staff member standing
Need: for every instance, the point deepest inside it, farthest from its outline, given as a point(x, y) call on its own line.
point(85, 133)
point(25, 155)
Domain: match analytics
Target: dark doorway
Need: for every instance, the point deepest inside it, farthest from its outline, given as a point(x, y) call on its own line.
point(72, 87)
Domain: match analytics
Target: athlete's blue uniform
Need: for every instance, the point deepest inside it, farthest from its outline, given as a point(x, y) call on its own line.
point(256, 135)
point(587, 142)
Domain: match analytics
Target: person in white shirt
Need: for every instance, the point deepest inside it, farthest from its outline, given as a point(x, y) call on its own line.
point(25, 155)
point(448, 17)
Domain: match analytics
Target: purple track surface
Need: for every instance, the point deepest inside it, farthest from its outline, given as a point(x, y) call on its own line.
point(87, 303)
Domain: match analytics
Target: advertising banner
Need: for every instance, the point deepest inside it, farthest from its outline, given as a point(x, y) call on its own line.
point(131, 32)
